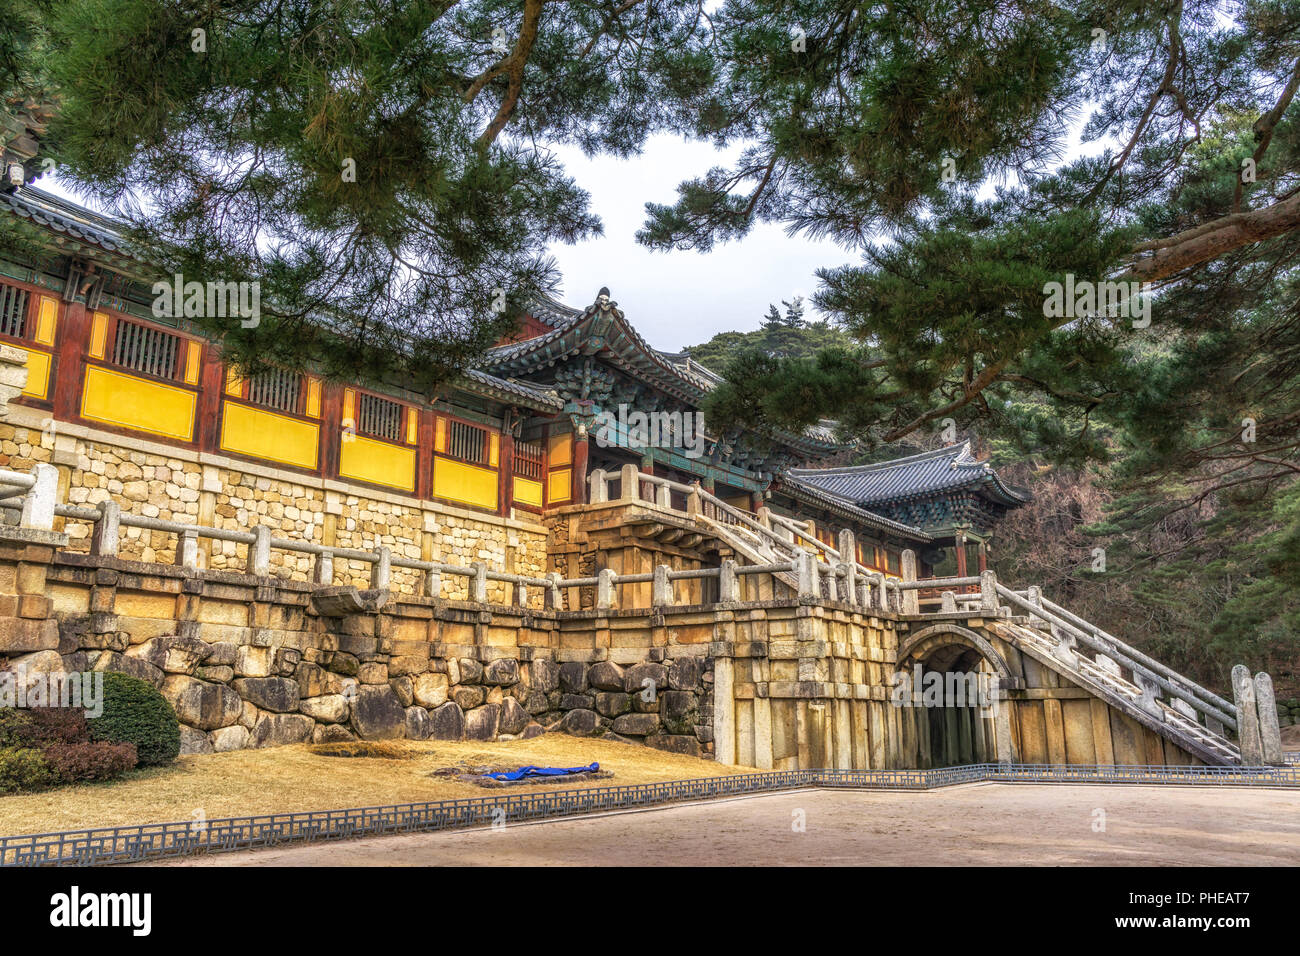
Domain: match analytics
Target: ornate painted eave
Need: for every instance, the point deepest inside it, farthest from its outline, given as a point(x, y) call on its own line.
point(510, 392)
point(602, 330)
point(927, 475)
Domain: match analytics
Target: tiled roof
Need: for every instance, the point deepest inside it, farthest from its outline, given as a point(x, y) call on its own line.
point(931, 472)
point(509, 389)
point(812, 495)
point(65, 217)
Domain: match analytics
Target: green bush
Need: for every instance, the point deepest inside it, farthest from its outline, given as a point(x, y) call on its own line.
point(24, 769)
point(135, 713)
point(79, 762)
point(15, 728)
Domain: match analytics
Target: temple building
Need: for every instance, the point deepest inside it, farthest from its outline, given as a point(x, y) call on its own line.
point(142, 409)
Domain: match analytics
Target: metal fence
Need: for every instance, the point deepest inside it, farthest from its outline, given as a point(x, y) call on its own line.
point(157, 841)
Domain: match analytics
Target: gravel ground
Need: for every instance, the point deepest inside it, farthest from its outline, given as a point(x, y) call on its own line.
point(983, 824)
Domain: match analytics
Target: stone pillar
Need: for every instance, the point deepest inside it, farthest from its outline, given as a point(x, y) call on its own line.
point(1270, 734)
point(661, 591)
point(1243, 692)
point(1002, 728)
point(724, 709)
point(605, 596)
point(630, 480)
point(911, 599)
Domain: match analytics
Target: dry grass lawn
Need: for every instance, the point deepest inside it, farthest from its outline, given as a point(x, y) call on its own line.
point(285, 779)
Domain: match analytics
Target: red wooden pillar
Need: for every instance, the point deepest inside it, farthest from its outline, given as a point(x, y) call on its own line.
point(578, 489)
point(73, 338)
point(424, 455)
point(984, 557)
point(506, 473)
point(212, 386)
point(961, 555)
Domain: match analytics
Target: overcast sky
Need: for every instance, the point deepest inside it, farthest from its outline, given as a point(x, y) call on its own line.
point(677, 299)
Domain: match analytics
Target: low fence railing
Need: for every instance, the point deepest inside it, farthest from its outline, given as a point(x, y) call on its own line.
point(156, 841)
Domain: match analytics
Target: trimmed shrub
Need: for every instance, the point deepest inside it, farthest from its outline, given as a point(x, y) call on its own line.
point(78, 762)
point(24, 769)
point(15, 727)
point(57, 725)
point(135, 713)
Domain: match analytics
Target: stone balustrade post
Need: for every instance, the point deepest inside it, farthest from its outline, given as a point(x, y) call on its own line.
point(989, 592)
point(911, 600)
point(599, 490)
point(809, 582)
point(39, 502)
point(381, 571)
point(664, 496)
point(322, 571)
point(849, 556)
point(728, 584)
point(520, 594)
point(259, 552)
point(693, 502)
point(433, 584)
point(1243, 693)
point(105, 539)
point(661, 590)
point(478, 583)
point(554, 596)
point(630, 483)
point(605, 596)
point(1270, 733)
point(187, 549)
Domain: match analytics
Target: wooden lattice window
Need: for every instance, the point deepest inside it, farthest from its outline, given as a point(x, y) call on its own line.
point(276, 388)
point(379, 417)
point(143, 348)
point(528, 459)
point(468, 443)
point(13, 311)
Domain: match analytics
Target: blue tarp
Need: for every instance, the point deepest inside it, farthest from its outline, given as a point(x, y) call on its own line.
point(523, 772)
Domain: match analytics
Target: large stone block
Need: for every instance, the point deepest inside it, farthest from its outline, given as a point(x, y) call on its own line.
point(377, 714)
point(606, 676)
point(430, 690)
point(200, 704)
point(175, 655)
point(194, 741)
point(327, 709)
point(418, 724)
point(469, 697)
point(471, 671)
point(642, 677)
point(407, 664)
point(680, 711)
point(685, 673)
point(229, 738)
point(447, 722)
point(253, 661)
point(580, 723)
point(611, 704)
point(502, 673)
point(276, 694)
point(636, 725)
point(20, 635)
point(481, 722)
point(573, 677)
point(275, 730)
point(513, 717)
point(545, 675)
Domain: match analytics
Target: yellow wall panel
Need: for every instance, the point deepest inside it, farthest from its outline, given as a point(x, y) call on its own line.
point(234, 384)
point(46, 320)
point(561, 450)
point(467, 484)
point(98, 335)
point(377, 462)
point(528, 492)
point(313, 397)
point(38, 374)
point(440, 434)
point(129, 402)
point(194, 351)
point(494, 449)
point(263, 434)
point(559, 486)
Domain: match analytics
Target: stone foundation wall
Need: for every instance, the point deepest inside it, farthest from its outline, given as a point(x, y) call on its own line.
point(256, 662)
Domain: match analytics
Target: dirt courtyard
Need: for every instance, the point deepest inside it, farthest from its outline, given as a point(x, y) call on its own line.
point(981, 824)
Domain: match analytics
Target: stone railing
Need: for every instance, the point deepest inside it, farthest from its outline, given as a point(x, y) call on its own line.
point(32, 497)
